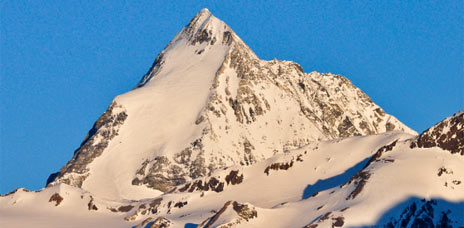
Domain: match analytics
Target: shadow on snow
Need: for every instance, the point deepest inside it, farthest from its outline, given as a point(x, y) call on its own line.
point(417, 212)
point(334, 181)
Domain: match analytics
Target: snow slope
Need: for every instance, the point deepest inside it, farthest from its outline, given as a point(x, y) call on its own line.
point(316, 184)
point(35, 209)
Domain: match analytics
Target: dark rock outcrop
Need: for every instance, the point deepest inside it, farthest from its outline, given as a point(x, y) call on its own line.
point(245, 213)
point(215, 184)
point(233, 177)
point(56, 198)
point(360, 180)
point(144, 209)
point(91, 205)
point(283, 165)
point(160, 222)
point(422, 213)
point(447, 134)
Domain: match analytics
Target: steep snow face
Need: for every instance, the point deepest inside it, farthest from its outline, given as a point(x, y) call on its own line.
point(207, 103)
point(160, 113)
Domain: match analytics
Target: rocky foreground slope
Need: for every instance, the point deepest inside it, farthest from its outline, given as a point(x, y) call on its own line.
point(212, 136)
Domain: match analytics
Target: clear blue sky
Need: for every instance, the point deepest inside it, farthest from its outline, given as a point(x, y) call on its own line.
point(62, 62)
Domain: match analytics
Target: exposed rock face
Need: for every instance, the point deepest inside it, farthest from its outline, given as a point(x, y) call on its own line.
point(338, 222)
point(98, 138)
point(253, 110)
point(360, 180)
point(447, 134)
point(56, 198)
point(283, 165)
point(152, 208)
point(384, 149)
point(162, 174)
point(216, 184)
point(234, 178)
point(91, 205)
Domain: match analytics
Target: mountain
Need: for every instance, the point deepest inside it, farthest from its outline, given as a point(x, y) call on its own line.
point(212, 136)
point(208, 102)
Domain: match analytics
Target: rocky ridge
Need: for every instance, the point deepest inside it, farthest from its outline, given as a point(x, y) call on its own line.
point(447, 134)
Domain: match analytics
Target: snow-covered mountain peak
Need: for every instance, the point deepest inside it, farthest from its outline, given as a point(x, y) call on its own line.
point(205, 22)
point(208, 102)
point(204, 36)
